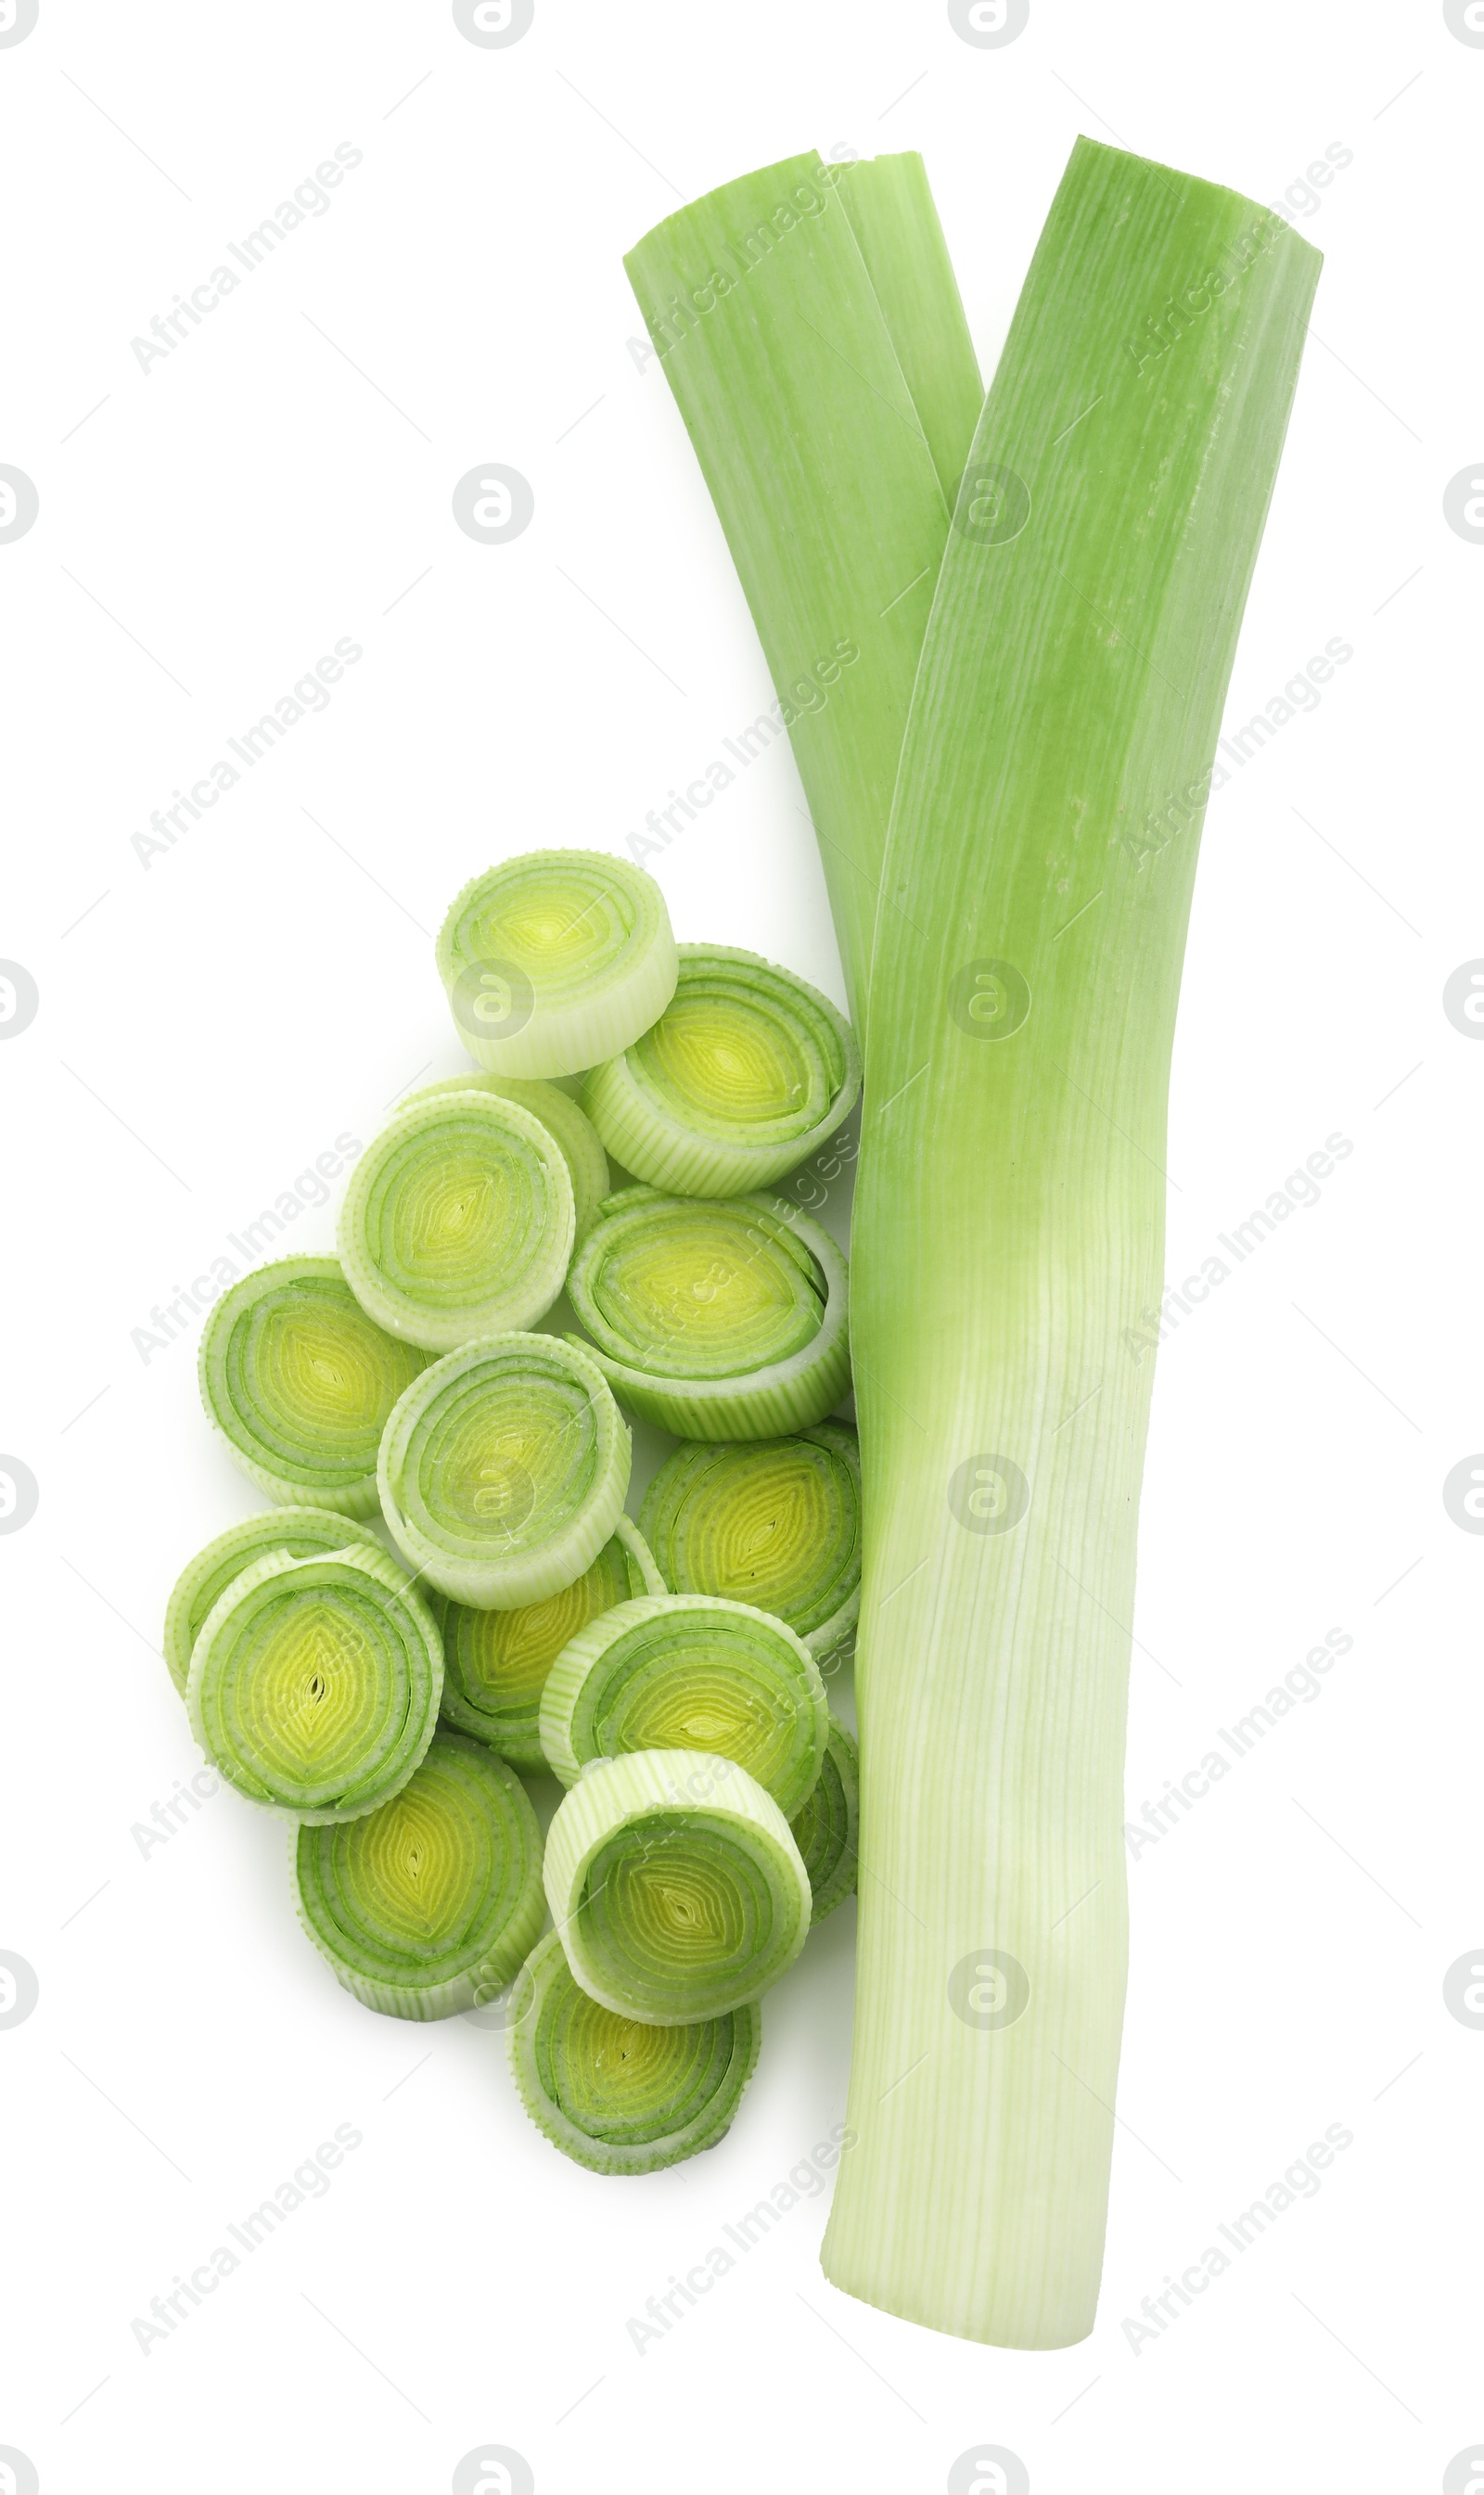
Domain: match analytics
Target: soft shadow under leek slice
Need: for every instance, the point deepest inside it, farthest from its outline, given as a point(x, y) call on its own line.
point(826, 1830)
point(570, 1127)
point(714, 1319)
point(556, 959)
point(748, 1069)
point(314, 1684)
point(690, 1672)
point(300, 1531)
point(614, 2095)
point(299, 1382)
point(458, 1221)
point(774, 1522)
point(496, 1663)
point(676, 1886)
point(431, 1903)
point(503, 1469)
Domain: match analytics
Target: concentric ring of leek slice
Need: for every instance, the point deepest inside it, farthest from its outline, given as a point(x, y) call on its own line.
point(676, 1886)
point(496, 1663)
point(570, 1127)
point(690, 1672)
point(826, 1830)
point(315, 1683)
point(431, 1903)
point(556, 959)
point(503, 1469)
point(714, 1319)
point(299, 1382)
point(458, 1221)
point(774, 1522)
point(746, 1072)
point(615, 2096)
point(300, 1531)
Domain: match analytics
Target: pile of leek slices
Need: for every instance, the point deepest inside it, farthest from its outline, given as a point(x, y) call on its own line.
point(667, 1671)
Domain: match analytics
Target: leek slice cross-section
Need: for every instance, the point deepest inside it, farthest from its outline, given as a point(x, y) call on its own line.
point(826, 1831)
point(676, 1886)
point(299, 1382)
point(746, 1072)
point(431, 1903)
point(503, 1469)
point(774, 1522)
point(614, 2095)
point(570, 1127)
point(300, 1531)
point(496, 1663)
point(555, 961)
point(458, 1221)
point(690, 1672)
point(722, 1320)
point(315, 1683)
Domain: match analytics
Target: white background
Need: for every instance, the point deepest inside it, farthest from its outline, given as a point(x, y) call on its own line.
point(209, 1025)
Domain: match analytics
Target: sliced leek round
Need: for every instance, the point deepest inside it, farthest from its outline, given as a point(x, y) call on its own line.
point(714, 1319)
point(826, 1831)
point(571, 1127)
point(314, 1684)
point(556, 959)
point(299, 1382)
point(300, 1531)
point(432, 1902)
point(615, 2096)
point(675, 1885)
point(774, 1522)
point(503, 1469)
point(458, 1221)
point(496, 1663)
point(690, 1672)
point(746, 1072)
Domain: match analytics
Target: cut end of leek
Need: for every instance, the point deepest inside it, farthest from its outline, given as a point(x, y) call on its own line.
point(300, 1383)
point(503, 1469)
point(496, 1663)
point(556, 961)
point(688, 1671)
point(458, 1221)
point(430, 1903)
point(746, 1072)
point(299, 1532)
point(570, 1127)
point(826, 1831)
point(615, 2096)
point(774, 1522)
point(719, 1320)
point(314, 1684)
point(675, 1885)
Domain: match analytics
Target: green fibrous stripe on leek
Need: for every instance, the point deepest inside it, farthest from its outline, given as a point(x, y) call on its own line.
point(775, 1522)
point(826, 1831)
point(496, 1663)
point(1008, 1230)
point(896, 224)
point(690, 1672)
point(314, 1684)
point(430, 1903)
point(573, 1130)
point(458, 1221)
point(615, 2096)
point(299, 1382)
point(785, 370)
point(746, 1071)
point(715, 1319)
point(503, 1469)
point(675, 1885)
point(555, 961)
point(300, 1531)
